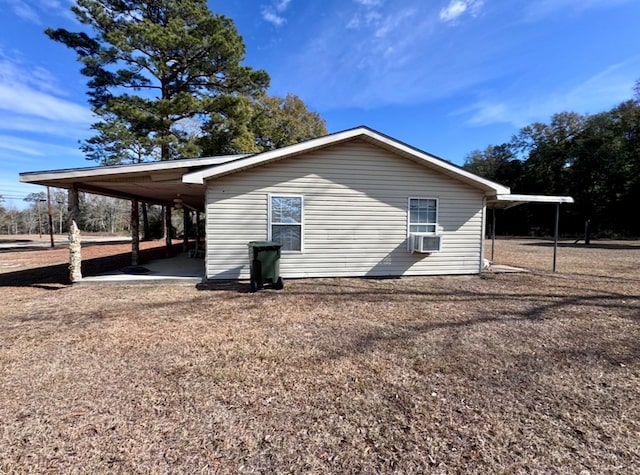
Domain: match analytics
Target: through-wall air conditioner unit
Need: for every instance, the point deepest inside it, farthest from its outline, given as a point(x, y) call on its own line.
point(425, 242)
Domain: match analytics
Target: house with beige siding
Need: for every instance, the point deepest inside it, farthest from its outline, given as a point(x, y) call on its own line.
point(353, 203)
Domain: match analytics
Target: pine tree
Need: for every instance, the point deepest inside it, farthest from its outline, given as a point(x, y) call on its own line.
point(163, 70)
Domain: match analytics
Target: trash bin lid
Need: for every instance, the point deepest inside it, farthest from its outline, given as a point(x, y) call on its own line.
point(264, 245)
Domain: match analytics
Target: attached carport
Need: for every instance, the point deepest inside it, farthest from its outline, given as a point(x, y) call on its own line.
point(510, 201)
point(154, 183)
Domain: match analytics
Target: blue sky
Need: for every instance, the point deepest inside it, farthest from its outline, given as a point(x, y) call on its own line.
point(446, 76)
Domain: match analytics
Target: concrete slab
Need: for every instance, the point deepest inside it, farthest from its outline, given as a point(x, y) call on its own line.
point(185, 269)
point(502, 269)
point(178, 269)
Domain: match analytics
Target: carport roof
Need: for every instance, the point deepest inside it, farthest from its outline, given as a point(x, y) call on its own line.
point(155, 182)
point(510, 200)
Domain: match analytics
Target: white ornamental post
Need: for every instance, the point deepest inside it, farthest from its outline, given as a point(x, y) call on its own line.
point(75, 257)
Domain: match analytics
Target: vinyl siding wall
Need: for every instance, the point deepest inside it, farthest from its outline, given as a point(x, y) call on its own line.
point(355, 216)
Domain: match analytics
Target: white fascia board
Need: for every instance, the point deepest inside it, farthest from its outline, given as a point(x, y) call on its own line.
point(93, 172)
point(533, 198)
point(199, 177)
point(510, 201)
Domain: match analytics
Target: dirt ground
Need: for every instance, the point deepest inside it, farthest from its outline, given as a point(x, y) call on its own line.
point(510, 373)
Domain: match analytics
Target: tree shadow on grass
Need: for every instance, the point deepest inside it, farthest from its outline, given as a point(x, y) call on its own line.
point(538, 305)
point(536, 309)
point(594, 245)
point(56, 276)
point(482, 307)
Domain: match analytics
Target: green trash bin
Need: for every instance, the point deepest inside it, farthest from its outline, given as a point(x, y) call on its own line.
point(264, 260)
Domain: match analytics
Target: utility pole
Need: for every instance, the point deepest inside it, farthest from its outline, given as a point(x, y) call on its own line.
point(39, 216)
point(555, 238)
point(60, 212)
point(50, 215)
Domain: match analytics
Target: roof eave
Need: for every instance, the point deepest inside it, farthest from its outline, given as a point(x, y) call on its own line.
point(490, 188)
point(48, 177)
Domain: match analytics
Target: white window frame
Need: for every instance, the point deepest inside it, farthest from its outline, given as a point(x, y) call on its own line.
point(437, 226)
point(270, 196)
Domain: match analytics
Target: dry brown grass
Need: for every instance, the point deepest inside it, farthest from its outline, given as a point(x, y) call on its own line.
point(526, 373)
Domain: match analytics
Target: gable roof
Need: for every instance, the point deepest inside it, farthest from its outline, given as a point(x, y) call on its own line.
point(164, 182)
point(359, 133)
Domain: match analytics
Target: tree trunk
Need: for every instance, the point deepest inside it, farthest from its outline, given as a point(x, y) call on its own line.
point(167, 230)
point(186, 225)
point(587, 232)
point(73, 206)
point(50, 214)
point(135, 232)
point(146, 233)
point(198, 232)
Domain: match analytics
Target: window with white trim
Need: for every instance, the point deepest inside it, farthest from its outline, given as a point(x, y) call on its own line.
point(423, 215)
point(285, 221)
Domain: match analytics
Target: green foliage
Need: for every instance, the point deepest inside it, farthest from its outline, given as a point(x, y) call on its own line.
point(117, 143)
point(606, 168)
point(497, 163)
point(36, 197)
point(229, 132)
point(266, 123)
point(595, 159)
point(548, 151)
point(279, 122)
point(182, 62)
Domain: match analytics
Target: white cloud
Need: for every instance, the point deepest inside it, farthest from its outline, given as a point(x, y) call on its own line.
point(27, 94)
point(392, 23)
point(36, 121)
point(30, 124)
point(453, 10)
point(282, 5)
point(370, 3)
point(34, 148)
point(25, 12)
point(364, 57)
point(363, 20)
point(377, 22)
point(596, 94)
point(456, 8)
point(25, 147)
point(369, 14)
point(274, 13)
point(273, 18)
point(31, 10)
